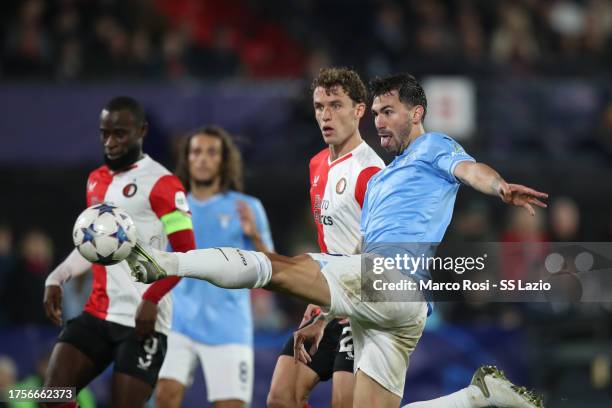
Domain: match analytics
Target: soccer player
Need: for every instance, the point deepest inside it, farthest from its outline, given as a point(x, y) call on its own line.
point(212, 324)
point(339, 176)
point(410, 201)
point(124, 322)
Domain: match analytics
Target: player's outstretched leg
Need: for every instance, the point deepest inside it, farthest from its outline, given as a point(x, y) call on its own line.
point(489, 387)
point(234, 268)
point(229, 268)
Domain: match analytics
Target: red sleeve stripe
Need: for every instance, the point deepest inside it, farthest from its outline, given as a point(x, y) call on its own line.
point(362, 183)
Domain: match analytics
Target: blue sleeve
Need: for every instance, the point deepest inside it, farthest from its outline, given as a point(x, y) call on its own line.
point(263, 226)
point(447, 154)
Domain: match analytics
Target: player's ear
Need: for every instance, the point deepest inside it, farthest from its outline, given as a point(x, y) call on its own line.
point(360, 110)
point(144, 129)
point(417, 114)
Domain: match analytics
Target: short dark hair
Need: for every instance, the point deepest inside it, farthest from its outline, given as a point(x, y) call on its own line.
point(347, 78)
point(409, 90)
point(231, 159)
point(127, 103)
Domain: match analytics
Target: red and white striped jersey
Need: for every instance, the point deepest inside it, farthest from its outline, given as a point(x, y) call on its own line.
point(147, 191)
point(337, 190)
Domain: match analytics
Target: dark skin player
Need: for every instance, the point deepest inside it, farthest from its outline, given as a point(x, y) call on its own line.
point(121, 135)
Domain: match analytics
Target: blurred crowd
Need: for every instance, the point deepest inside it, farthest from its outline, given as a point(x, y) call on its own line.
point(173, 39)
point(144, 39)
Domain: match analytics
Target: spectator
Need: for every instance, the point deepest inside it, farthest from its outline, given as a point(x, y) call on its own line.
point(27, 281)
point(8, 372)
point(564, 220)
point(7, 265)
point(513, 42)
point(27, 43)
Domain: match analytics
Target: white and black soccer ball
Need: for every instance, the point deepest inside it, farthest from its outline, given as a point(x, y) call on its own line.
point(104, 234)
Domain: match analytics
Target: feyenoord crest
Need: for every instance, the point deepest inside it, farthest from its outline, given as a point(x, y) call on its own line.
point(130, 189)
point(341, 186)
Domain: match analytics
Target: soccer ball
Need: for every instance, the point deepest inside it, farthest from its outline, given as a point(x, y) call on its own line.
point(104, 234)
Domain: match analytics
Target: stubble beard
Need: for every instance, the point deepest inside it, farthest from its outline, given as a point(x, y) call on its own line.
point(131, 156)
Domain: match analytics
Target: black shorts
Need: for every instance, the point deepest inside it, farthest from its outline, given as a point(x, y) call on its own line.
point(106, 342)
point(335, 351)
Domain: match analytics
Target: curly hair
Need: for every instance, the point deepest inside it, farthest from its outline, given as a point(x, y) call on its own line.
point(231, 159)
point(348, 79)
point(409, 90)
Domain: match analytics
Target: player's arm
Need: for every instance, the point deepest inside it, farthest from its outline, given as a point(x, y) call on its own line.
point(74, 265)
point(168, 201)
point(255, 225)
point(483, 178)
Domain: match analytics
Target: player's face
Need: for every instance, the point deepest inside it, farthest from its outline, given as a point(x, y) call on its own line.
point(120, 134)
point(336, 113)
point(205, 156)
point(393, 121)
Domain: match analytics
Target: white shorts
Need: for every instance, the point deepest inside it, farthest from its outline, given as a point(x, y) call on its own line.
point(228, 368)
point(384, 333)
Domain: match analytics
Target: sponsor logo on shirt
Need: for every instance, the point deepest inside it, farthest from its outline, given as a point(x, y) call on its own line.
point(327, 220)
point(318, 216)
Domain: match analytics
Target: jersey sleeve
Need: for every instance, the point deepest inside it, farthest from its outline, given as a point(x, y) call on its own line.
point(97, 185)
point(168, 202)
point(263, 226)
point(361, 185)
point(88, 191)
point(448, 153)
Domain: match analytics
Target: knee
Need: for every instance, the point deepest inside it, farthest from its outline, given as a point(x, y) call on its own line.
point(283, 267)
point(284, 400)
point(168, 394)
point(276, 401)
point(341, 401)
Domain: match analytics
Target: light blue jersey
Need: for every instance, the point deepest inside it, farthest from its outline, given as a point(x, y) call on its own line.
point(203, 311)
point(409, 204)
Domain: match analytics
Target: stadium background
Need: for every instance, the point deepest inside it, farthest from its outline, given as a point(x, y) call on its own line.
point(524, 85)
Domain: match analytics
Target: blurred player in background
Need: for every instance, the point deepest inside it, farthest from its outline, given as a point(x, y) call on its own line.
point(409, 202)
point(339, 175)
point(124, 322)
point(211, 324)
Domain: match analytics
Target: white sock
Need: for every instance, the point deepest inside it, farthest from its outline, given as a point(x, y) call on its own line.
point(469, 397)
point(230, 268)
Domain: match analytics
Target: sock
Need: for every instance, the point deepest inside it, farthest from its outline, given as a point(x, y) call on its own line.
point(230, 268)
point(469, 397)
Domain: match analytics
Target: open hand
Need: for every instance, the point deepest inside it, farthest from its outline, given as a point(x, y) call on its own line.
point(52, 301)
point(312, 332)
point(522, 196)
